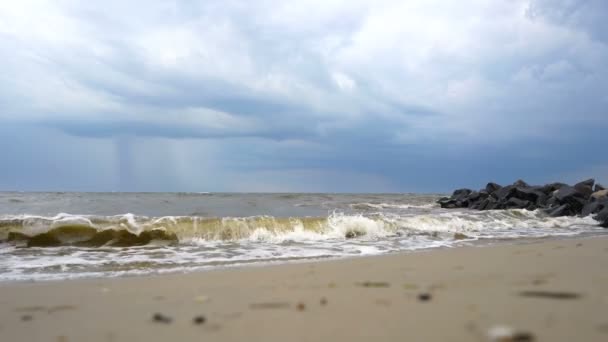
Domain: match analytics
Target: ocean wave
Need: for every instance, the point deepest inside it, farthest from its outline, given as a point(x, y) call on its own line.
point(130, 230)
point(381, 206)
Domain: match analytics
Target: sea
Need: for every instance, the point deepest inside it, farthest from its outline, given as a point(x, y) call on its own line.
point(63, 235)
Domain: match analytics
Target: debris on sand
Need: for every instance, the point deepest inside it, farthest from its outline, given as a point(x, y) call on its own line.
point(506, 334)
point(424, 297)
point(160, 318)
point(199, 320)
point(374, 284)
point(550, 294)
point(301, 307)
point(323, 301)
point(269, 305)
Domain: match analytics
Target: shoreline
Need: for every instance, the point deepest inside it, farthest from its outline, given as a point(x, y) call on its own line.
point(479, 243)
point(472, 290)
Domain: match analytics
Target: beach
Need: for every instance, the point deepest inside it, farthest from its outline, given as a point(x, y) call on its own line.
point(554, 290)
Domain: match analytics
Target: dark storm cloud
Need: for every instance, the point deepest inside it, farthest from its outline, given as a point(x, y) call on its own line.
point(389, 93)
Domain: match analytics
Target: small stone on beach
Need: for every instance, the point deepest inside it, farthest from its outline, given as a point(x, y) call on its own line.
point(27, 318)
point(323, 301)
point(269, 305)
point(507, 334)
point(199, 319)
point(550, 294)
point(522, 337)
point(374, 284)
point(424, 297)
point(301, 307)
point(160, 318)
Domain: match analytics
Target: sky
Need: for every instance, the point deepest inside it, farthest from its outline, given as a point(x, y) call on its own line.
point(301, 95)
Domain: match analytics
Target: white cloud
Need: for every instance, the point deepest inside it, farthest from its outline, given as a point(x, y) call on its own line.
point(423, 72)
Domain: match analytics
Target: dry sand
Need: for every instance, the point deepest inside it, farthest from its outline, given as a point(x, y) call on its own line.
point(472, 290)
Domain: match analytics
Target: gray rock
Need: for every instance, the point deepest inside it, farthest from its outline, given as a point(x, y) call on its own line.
point(571, 196)
point(550, 188)
point(461, 192)
point(520, 183)
point(562, 210)
point(565, 193)
point(490, 204)
point(504, 193)
point(592, 208)
point(602, 216)
point(529, 194)
point(585, 187)
point(449, 204)
point(598, 187)
point(516, 203)
point(481, 205)
point(598, 195)
point(552, 202)
point(491, 187)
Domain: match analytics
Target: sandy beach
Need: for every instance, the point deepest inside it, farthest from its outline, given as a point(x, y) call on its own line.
point(543, 291)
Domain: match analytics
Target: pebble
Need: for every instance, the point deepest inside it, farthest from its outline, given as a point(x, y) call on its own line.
point(424, 297)
point(323, 301)
point(301, 307)
point(160, 318)
point(374, 284)
point(199, 319)
point(27, 318)
point(550, 294)
point(508, 334)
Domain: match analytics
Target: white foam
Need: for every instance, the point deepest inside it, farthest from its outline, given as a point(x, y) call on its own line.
point(375, 233)
point(380, 206)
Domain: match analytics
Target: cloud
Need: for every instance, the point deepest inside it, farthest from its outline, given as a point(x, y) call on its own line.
point(306, 87)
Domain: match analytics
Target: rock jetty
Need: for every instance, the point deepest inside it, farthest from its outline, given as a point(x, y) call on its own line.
point(556, 199)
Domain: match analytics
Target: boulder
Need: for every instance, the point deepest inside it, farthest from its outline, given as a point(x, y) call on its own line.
point(550, 188)
point(481, 205)
point(448, 203)
point(566, 193)
point(562, 210)
point(516, 203)
point(531, 194)
point(592, 208)
point(541, 201)
point(473, 196)
point(551, 202)
point(504, 193)
point(585, 187)
point(599, 195)
point(602, 216)
point(598, 187)
point(491, 187)
point(571, 196)
point(489, 203)
point(461, 194)
point(520, 183)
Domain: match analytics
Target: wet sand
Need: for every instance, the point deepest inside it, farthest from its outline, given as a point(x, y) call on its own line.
point(547, 291)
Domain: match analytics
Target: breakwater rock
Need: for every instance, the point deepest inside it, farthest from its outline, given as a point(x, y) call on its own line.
point(556, 199)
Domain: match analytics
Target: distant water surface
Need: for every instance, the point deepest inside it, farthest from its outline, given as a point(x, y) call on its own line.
point(49, 236)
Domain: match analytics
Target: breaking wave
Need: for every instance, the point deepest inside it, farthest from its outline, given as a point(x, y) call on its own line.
point(130, 230)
